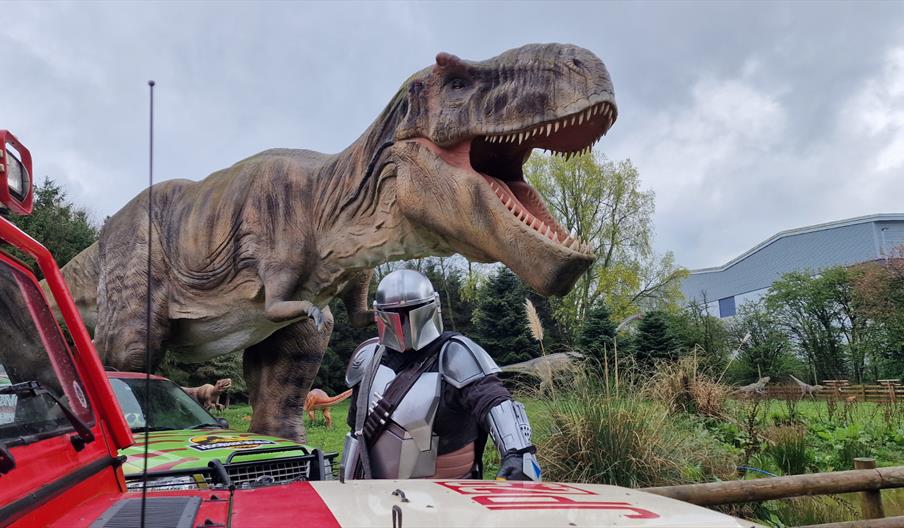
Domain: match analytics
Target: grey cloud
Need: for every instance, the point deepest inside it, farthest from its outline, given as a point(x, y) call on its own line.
point(233, 79)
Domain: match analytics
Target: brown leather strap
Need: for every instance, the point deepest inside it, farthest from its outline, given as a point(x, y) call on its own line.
point(378, 417)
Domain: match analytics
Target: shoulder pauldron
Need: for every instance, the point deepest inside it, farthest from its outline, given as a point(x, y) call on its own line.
point(360, 361)
point(463, 361)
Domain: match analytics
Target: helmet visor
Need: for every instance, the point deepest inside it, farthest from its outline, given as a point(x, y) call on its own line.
point(400, 328)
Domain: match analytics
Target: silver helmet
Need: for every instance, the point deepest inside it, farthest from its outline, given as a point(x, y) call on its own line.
point(407, 311)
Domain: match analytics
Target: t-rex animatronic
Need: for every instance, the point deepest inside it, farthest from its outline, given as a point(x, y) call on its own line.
point(209, 395)
point(320, 400)
point(245, 258)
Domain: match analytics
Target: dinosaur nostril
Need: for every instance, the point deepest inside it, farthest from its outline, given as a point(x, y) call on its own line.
point(577, 62)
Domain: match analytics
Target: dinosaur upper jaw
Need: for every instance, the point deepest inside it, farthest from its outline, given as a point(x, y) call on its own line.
point(500, 159)
point(524, 235)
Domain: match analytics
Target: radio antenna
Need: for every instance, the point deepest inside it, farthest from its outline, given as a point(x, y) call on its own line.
point(147, 329)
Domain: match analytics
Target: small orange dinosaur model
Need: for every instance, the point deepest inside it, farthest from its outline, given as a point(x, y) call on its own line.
point(319, 400)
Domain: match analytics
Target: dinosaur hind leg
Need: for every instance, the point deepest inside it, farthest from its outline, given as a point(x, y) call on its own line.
point(127, 321)
point(327, 418)
point(279, 372)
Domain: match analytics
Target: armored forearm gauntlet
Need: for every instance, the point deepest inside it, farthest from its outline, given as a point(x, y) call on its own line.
point(510, 429)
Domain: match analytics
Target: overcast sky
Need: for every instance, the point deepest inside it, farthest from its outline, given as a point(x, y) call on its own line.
point(745, 119)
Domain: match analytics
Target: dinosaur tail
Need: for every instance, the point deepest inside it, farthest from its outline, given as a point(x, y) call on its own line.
point(81, 275)
point(329, 402)
point(797, 380)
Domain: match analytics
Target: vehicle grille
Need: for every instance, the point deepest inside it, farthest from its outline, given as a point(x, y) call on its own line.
point(269, 472)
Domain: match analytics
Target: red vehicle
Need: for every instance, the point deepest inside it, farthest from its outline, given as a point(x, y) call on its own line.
point(61, 431)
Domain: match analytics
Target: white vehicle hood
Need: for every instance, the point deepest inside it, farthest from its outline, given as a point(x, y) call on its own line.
point(512, 504)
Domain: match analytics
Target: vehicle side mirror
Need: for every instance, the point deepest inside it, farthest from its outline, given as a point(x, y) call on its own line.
point(224, 423)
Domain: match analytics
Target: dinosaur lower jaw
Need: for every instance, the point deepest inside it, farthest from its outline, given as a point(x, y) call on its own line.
point(499, 158)
point(525, 204)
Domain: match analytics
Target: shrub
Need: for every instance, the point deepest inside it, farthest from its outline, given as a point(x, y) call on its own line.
point(683, 388)
point(592, 437)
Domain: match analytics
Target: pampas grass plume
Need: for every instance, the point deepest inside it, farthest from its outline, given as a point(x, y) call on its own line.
point(533, 321)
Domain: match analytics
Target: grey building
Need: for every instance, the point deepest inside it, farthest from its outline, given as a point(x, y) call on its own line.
point(813, 248)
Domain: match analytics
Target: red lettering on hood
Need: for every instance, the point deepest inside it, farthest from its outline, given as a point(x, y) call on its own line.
point(511, 495)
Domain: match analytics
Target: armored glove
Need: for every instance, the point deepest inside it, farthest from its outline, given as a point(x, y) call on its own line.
point(508, 425)
point(518, 466)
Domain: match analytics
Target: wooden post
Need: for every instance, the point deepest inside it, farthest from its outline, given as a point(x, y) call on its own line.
point(870, 500)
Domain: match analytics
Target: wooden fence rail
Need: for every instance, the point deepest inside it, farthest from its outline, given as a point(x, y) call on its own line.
point(732, 492)
point(853, 393)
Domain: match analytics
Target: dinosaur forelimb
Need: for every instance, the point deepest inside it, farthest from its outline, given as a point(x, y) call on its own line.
point(282, 311)
point(354, 295)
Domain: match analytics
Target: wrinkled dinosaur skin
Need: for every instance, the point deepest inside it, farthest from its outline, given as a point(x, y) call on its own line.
point(244, 259)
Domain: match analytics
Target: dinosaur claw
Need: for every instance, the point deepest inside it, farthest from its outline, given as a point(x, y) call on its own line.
point(315, 314)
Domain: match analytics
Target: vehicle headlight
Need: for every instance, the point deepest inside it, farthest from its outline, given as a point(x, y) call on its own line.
point(182, 483)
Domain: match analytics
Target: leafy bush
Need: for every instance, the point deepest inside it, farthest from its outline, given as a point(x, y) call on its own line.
point(844, 444)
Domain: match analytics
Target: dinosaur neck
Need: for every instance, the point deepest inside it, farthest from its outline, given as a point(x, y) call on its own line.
point(357, 222)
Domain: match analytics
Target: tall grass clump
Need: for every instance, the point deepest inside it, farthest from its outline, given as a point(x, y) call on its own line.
point(787, 446)
point(805, 511)
point(683, 388)
point(590, 436)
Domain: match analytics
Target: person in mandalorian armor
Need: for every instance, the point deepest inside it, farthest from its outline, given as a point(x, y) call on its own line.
point(425, 400)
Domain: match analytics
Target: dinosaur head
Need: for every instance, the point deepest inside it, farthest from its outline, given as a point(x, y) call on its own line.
point(467, 130)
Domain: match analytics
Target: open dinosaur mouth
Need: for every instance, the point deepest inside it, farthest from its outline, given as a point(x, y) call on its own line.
point(500, 158)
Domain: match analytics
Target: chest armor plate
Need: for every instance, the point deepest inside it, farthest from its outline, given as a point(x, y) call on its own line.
point(407, 447)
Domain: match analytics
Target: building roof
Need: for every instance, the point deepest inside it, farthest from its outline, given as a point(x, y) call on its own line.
point(842, 242)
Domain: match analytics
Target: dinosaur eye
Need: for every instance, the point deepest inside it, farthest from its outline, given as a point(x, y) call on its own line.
point(457, 83)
